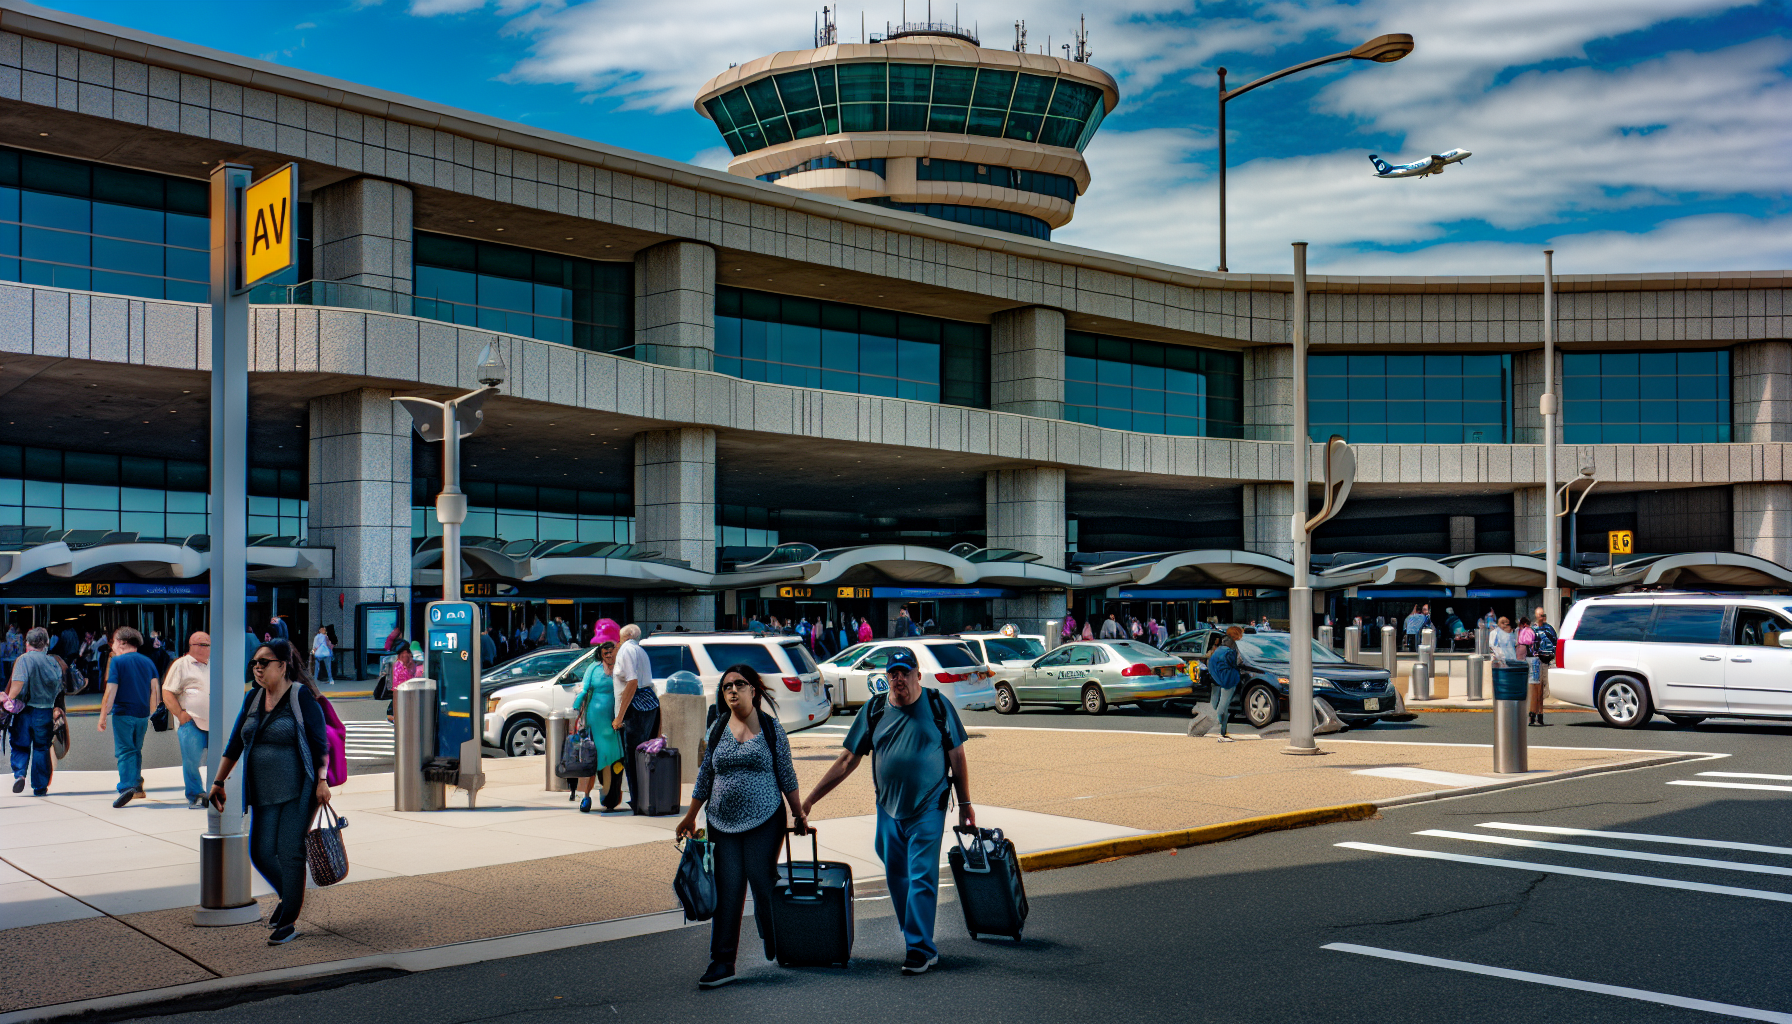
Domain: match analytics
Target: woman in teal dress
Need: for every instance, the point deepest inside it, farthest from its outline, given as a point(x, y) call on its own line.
point(595, 709)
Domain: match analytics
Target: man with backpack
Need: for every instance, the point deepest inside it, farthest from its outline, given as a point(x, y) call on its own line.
point(1543, 653)
point(916, 743)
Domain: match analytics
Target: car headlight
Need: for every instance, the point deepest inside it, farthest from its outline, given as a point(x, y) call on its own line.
point(491, 704)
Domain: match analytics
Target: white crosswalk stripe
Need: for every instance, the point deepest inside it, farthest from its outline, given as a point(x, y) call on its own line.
point(370, 741)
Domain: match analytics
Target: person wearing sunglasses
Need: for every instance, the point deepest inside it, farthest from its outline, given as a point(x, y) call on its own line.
point(280, 738)
point(594, 710)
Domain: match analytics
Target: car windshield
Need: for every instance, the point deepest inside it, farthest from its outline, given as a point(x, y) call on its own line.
point(848, 656)
point(1013, 648)
point(1137, 649)
point(799, 656)
point(1274, 647)
point(952, 655)
point(758, 657)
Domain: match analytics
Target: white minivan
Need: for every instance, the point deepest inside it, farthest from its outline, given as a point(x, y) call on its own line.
point(1686, 656)
point(947, 664)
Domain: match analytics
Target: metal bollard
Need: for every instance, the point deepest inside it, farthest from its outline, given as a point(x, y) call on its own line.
point(1428, 638)
point(1418, 685)
point(1511, 702)
point(414, 725)
point(1325, 636)
point(557, 726)
point(1390, 652)
point(1353, 643)
point(1476, 677)
point(1481, 640)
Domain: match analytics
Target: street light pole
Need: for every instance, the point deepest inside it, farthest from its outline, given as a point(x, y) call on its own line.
point(449, 422)
point(1552, 588)
point(1382, 49)
point(1300, 595)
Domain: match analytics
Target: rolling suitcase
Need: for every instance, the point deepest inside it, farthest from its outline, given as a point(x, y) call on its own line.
point(657, 773)
point(812, 910)
point(986, 871)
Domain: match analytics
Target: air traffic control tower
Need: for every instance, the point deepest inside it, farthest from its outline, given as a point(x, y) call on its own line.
point(923, 119)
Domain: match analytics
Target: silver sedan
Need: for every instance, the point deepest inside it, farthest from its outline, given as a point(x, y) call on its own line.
point(1094, 674)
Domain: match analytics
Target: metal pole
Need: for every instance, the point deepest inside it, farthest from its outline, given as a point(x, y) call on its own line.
point(1552, 587)
point(1300, 595)
point(451, 504)
point(1222, 170)
point(224, 896)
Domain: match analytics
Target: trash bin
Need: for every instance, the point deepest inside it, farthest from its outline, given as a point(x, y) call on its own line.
point(559, 724)
point(682, 722)
point(414, 728)
point(1511, 700)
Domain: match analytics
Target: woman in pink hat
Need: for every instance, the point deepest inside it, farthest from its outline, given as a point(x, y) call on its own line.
point(594, 710)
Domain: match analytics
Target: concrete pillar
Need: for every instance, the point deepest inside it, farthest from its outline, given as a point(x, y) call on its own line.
point(1462, 535)
point(675, 305)
point(361, 232)
point(1762, 518)
point(1530, 512)
point(1269, 394)
point(1024, 510)
point(360, 452)
point(1527, 389)
point(1268, 513)
point(1761, 392)
point(1026, 362)
point(675, 514)
point(1029, 612)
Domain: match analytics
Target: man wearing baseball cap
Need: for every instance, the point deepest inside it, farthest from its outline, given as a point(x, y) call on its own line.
point(917, 748)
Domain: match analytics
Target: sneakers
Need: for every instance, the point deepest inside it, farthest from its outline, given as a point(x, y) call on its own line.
point(1225, 739)
point(18, 784)
point(719, 974)
point(124, 798)
point(917, 962)
point(195, 803)
point(282, 935)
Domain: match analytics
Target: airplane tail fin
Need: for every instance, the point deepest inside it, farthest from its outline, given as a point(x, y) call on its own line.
point(1381, 166)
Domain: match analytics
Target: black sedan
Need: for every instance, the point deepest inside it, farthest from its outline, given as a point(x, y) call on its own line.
point(1359, 694)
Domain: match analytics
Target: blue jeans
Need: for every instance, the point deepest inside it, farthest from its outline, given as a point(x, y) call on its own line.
point(910, 850)
point(32, 731)
point(192, 758)
point(1222, 705)
point(127, 746)
point(323, 667)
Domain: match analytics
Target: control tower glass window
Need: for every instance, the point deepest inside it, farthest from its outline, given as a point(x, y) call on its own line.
point(1151, 387)
point(1441, 399)
point(1645, 397)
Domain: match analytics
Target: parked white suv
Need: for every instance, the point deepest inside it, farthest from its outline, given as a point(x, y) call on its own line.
point(1685, 656)
point(516, 716)
point(1006, 654)
point(947, 664)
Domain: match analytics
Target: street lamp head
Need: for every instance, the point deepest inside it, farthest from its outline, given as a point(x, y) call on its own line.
point(491, 367)
point(1384, 49)
point(1586, 471)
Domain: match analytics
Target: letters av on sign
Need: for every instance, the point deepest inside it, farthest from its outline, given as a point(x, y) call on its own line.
point(270, 208)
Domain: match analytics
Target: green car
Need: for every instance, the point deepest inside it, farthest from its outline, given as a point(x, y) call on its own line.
point(1093, 674)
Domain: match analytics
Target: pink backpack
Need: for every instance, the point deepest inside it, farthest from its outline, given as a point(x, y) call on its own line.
point(337, 773)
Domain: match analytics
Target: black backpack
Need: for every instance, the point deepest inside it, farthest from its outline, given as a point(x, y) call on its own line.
point(937, 704)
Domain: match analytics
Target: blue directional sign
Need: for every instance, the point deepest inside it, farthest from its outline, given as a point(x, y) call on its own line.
point(452, 661)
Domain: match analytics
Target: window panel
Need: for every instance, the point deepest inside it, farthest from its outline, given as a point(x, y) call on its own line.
point(797, 89)
point(1060, 132)
point(947, 119)
point(1024, 127)
point(764, 95)
point(862, 83)
point(952, 86)
point(908, 117)
point(862, 117)
point(911, 83)
point(1647, 397)
point(985, 122)
point(1033, 94)
point(993, 89)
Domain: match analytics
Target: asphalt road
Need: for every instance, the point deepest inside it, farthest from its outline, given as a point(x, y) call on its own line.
point(1237, 930)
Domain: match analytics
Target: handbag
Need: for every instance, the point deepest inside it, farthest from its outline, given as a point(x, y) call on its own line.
point(324, 850)
point(578, 757)
point(695, 882)
point(158, 719)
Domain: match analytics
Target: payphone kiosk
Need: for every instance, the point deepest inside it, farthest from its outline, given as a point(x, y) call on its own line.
point(453, 662)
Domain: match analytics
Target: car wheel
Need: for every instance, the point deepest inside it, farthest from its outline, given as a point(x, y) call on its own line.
point(1623, 702)
point(1686, 720)
point(1094, 702)
point(1005, 702)
point(1261, 706)
point(524, 738)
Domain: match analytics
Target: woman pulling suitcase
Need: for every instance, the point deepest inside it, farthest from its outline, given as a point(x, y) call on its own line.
point(745, 769)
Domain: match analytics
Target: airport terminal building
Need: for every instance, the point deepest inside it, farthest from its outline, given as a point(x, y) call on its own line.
point(851, 374)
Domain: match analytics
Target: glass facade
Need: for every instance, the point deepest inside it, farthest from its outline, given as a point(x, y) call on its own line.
point(1151, 387)
point(150, 498)
point(1377, 399)
point(907, 98)
point(523, 512)
point(1645, 397)
point(976, 216)
point(743, 526)
point(875, 165)
point(782, 339)
point(933, 169)
point(90, 227)
point(543, 295)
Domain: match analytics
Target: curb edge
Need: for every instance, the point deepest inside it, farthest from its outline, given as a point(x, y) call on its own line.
point(1150, 842)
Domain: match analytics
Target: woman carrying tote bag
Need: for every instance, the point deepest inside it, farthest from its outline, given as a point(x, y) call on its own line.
point(594, 711)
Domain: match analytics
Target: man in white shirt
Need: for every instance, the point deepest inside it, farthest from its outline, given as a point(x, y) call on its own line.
point(186, 689)
point(637, 706)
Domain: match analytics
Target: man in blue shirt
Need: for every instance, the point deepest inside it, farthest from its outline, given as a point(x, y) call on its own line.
point(133, 690)
point(913, 736)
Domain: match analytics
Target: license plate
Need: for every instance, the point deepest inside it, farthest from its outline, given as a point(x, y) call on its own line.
point(1371, 704)
point(1166, 672)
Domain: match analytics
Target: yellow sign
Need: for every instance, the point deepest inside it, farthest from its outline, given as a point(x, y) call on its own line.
point(1619, 542)
point(93, 590)
point(269, 233)
point(1240, 592)
point(853, 592)
point(796, 591)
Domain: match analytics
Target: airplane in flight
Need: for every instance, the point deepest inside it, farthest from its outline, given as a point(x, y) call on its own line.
point(1418, 168)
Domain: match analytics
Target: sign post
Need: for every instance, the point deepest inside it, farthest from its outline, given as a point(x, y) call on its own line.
point(245, 219)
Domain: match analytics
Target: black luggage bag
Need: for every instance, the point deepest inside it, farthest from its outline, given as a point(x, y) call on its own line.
point(986, 871)
point(657, 772)
point(812, 910)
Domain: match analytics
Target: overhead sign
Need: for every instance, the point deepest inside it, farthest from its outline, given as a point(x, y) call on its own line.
point(270, 236)
point(1619, 542)
point(853, 592)
point(796, 591)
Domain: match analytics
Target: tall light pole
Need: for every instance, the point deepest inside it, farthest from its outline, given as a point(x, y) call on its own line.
point(1552, 587)
point(1382, 49)
point(1300, 595)
point(449, 422)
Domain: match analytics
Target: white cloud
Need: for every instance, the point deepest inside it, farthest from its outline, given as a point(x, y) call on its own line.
point(716, 157)
point(1706, 242)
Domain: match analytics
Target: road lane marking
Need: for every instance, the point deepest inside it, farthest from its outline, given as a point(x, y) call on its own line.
point(1729, 785)
point(1427, 775)
point(1746, 775)
point(1560, 869)
point(1639, 837)
point(1621, 991)
point(1600, 851)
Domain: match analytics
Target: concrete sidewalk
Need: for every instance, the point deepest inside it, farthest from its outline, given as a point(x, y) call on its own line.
point(80, 923)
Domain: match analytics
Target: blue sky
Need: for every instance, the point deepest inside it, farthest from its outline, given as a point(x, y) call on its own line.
point(1632, 135)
